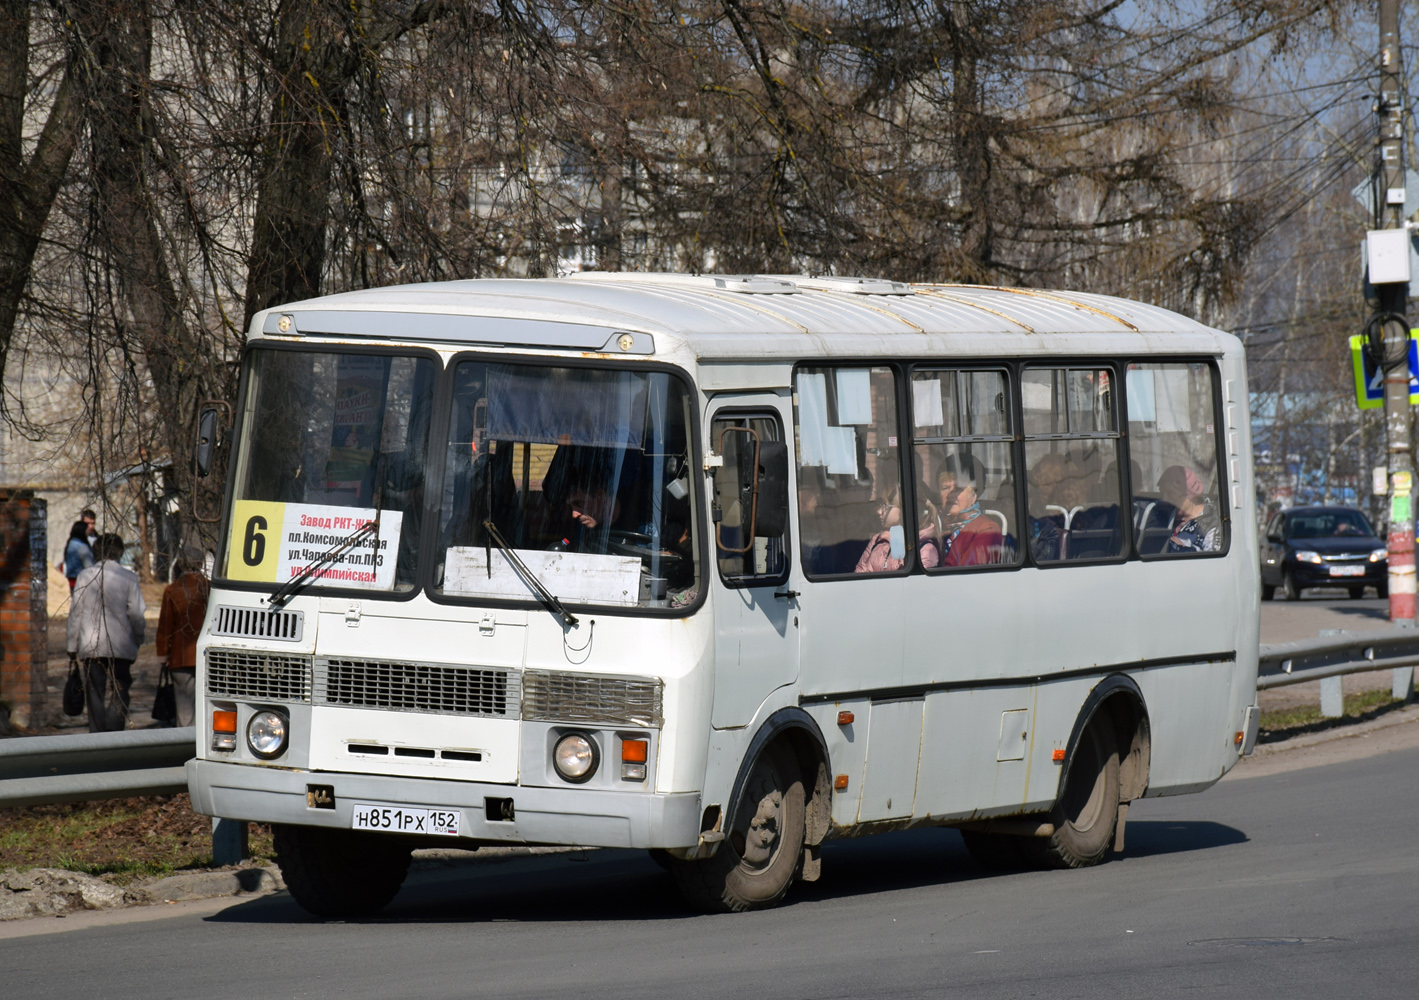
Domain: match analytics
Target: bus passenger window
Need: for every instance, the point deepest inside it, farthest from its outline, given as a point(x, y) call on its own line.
point(743, 561)
point(849, 471)
point(1174, 476)
point(1071, 451)
point(965, 468)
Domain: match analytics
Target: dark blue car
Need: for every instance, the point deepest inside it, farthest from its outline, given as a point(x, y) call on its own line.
point(1322, 547)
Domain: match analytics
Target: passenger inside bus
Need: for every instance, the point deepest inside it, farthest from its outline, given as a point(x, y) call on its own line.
point(1197, 528)
point(1073, 513)
point(968, 537)
point(877, 557)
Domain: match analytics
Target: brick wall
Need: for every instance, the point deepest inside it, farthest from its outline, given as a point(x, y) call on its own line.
point(24, 637)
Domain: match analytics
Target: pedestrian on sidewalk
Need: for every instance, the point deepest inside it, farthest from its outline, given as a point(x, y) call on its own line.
point(77, 554)
point(105, 630)
point(180, 620)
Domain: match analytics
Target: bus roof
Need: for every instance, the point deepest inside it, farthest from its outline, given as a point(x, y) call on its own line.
point(715, 317)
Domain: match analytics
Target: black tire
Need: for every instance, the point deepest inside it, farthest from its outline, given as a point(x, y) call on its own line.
point(1382, 590)
point(661, 857)
point(1268, 591)
point(1087, 810)
point(1357, 593)
point(757, 860)
point(1289, 588)
point(996, 852)
point(340, 873)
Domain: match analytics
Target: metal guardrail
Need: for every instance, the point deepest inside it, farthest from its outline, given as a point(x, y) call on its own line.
point(1335, 655)
point(40, 770)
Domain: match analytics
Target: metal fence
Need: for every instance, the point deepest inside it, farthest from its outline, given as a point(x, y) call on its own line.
point(38, 770)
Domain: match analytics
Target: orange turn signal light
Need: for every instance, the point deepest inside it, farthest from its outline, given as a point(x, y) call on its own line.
point(845, 718)
point(223, 722)
point(840, 783)
point(1239, 738)
point(1058, 755)
point(633, 751)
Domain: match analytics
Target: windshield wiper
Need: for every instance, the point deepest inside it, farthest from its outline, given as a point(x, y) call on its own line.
point(288, 590)
point(543, 594)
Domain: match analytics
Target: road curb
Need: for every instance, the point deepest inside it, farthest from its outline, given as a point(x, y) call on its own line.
point(209, 884)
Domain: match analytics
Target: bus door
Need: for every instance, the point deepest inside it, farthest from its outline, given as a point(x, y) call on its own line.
point(756, 627)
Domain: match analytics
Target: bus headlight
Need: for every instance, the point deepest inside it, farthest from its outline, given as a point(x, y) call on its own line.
point(576, 757)
point(266, 734)
point(1310, 557)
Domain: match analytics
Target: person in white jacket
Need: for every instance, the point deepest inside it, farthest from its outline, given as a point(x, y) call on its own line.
point(105, 630)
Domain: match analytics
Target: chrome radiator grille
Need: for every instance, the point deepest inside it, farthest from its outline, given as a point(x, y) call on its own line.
point(255, 623)
point(239, 673)
point(416, 687)
point(549, 696)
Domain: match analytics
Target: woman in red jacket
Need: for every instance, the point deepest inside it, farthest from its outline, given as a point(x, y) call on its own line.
point(968, 537)
point(179, 622)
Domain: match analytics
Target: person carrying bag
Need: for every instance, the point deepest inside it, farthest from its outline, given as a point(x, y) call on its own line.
point(105, 630)
point(179, 622)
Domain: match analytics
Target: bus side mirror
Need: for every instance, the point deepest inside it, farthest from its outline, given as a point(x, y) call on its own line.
point(771, 518)
point(206, 442)
point(210, 434)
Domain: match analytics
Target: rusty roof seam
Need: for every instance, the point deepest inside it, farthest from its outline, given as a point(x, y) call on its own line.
point(935, 292)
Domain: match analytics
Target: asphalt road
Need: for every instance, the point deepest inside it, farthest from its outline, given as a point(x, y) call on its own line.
point(1298, 884)
point(1288, 621)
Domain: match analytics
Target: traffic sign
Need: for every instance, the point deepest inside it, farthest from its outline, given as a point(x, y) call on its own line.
point(1370, 381)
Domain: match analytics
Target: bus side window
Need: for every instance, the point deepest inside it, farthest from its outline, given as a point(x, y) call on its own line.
point(964, 454)
point(1174, 473)
point(1071, 451)
point(743, 561)
point(849, 472)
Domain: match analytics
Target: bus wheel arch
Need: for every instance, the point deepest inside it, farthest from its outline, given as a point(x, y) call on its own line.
point(1117, 704)
point(1105, 767)
point(782, 786)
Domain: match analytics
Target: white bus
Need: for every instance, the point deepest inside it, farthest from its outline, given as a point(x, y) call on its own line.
point(723, 567)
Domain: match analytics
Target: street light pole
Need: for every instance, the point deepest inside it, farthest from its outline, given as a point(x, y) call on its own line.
point(1394, 296)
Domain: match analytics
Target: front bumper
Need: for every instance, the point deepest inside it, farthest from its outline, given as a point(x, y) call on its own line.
point(1311, 575)
point(572, 816)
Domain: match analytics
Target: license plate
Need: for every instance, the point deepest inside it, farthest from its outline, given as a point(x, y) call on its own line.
point(405, 819)
point(1347, 571)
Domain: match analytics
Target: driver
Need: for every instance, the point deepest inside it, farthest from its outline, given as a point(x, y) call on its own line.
point(590, 512)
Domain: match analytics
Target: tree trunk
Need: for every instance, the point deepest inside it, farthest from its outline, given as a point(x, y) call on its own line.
point(119, 41)
point(27, 189)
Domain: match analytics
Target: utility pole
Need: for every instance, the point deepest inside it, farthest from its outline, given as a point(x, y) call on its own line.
point(1390, 328)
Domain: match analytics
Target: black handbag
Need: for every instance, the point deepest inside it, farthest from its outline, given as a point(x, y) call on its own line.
point(165, 701)
point(74, 690)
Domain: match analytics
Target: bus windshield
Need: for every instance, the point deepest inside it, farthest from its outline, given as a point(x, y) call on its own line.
point(585, 472)
point(1330, 524)
point(331, 442)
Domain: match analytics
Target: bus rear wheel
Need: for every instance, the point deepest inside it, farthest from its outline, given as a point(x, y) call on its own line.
point(340, 873)
point(1087, 810)
point(757, 860)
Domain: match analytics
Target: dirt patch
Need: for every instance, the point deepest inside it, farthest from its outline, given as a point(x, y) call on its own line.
point(120, 839)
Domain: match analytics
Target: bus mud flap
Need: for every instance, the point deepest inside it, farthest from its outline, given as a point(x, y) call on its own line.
point(1118, 827)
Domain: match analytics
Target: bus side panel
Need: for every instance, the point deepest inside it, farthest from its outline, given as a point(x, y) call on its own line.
point(1190, 711)
point(977, 753)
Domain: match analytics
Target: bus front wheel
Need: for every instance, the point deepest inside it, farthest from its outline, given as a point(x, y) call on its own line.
point(340, 873)
point(1087, 810)
point(757, 860)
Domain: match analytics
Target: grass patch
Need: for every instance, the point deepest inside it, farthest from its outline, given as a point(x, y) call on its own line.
point(1285, 723)
point(123, 839)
